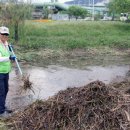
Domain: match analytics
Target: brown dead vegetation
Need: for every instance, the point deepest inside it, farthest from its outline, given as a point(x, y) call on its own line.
point(95, 106)
point(27, 84)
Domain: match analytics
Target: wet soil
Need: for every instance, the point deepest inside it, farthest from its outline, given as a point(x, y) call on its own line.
point(52, 71)
point(48, 81)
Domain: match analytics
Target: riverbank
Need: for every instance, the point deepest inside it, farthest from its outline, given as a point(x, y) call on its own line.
point(75, 58)
point(67, 43)
point(68, 57)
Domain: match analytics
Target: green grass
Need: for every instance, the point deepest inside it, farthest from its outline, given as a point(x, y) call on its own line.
point(70, 35)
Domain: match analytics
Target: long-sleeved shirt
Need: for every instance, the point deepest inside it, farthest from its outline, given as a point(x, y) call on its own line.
point(4, 59)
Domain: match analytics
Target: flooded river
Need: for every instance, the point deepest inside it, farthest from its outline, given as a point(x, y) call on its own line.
point(48, 81)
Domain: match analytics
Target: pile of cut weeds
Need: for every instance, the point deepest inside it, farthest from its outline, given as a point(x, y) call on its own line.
point(95, 106)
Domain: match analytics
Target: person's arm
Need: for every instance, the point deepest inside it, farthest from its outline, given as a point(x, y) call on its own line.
point(3, 59)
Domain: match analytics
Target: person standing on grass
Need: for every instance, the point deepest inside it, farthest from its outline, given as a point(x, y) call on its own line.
point(5, 68)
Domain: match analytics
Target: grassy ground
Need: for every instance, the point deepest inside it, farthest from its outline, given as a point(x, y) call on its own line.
point(58, 42)
point(76, 34)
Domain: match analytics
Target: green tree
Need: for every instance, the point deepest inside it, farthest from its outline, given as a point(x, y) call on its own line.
point(77, 12)
point(46, 11)
point(112, 9)
point(14, 14)
point(119, 6)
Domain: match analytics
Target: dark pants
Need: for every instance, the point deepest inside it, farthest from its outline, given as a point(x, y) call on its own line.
point(4, 78)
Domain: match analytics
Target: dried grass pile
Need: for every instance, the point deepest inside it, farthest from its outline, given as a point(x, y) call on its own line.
point(91, 107)
point(27, 84)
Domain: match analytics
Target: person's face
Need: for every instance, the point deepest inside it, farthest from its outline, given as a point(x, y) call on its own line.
point(4, 37)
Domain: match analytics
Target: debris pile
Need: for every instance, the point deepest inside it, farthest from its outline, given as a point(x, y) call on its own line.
point(124, 86)
point(121, 85)
point(95, 106)
point(27, 84)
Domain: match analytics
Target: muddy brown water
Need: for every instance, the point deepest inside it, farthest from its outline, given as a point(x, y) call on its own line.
point(48, 81)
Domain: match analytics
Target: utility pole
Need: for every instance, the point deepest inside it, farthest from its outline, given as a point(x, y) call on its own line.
point(89, 3)
point(93, 11)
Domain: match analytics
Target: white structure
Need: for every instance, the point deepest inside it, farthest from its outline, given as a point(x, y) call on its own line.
point(60, 17)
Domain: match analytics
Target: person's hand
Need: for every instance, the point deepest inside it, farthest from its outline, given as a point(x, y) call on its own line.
point(12, 58)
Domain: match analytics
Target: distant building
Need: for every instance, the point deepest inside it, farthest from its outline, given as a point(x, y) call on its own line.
point(99, 7)
point(86, 2)
point(60, 17)
point(37, 12)
point(38, 9)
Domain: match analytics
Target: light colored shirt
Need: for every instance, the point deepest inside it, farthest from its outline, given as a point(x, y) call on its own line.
point(4, 59)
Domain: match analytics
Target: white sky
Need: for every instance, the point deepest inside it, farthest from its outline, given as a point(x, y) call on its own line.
point(42, 1)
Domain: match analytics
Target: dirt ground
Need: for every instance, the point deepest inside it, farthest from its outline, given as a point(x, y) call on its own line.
point(76, 58)
point(93, 106)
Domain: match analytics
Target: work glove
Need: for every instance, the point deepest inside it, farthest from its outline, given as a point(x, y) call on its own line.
point(12, 58)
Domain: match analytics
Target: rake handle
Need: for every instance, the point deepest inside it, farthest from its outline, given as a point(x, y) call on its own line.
point(16, 60)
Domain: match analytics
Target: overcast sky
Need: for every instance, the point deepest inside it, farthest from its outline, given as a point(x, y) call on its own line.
point(42, 1)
